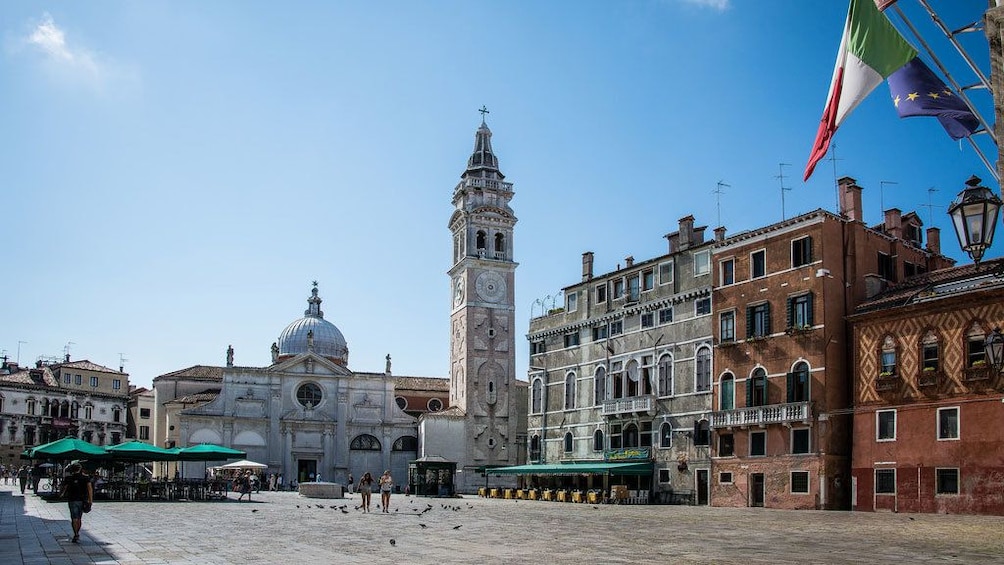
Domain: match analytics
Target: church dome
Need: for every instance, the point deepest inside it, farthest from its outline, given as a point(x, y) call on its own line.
point(313, 333)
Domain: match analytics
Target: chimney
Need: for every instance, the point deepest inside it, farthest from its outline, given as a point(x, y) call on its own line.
point(66, 358)
point(673, 239)
point(850, 199)
point(587, 266)
point(934, 240)
point(699, 235)
point(629, 261)
point(720, 234)
point(686, 232)
point(894, 223)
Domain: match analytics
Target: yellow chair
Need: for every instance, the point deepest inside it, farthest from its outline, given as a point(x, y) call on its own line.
point(495, 493)
point(547, 495)
point(520, 494)
point(532, 494)
point(577, 496)
point(507, 494)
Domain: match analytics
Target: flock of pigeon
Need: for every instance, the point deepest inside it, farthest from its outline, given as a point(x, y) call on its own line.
point(411, 511)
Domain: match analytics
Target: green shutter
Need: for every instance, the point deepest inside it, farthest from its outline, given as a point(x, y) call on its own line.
point(808, 249)
point(809, 318)
point(749, 322)
point(749, 392)
point(789, 313)
point(791, 386)
point(766, 320)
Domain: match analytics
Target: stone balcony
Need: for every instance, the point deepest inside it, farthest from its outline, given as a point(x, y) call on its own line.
point(762, 415)
point(629, 405)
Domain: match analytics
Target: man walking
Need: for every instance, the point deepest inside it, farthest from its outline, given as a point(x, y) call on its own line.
point(79, 495)
point(22, 477)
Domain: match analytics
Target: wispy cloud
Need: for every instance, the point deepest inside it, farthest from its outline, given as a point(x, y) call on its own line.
point(720, 5)
point(71, 62)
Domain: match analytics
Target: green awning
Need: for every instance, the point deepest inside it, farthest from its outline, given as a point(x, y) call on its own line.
point(580, 468)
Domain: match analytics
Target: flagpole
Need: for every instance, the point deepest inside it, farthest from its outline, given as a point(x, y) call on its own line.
point(955, 42)
point(993, 171)
point(944, 71)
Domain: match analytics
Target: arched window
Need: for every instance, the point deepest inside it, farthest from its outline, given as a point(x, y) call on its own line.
point(702, 375)
point(599, 386)
point(535, 448)
point(665, 375)
point(665, 435)
point(499, 243)
point(88, 412)
point(64, 409)
point(569, 391)
point(756, 388)
point(930, 352)
point(975, 349)
point(482, 241)
point(116, 414)
point(633, 378)
point(568, 442)
point(888, 356)
point(798, 383)
point(29, 407)
point(702, 432)
point(727, 392)
point(598, 440)
point(630, 435)
point(365, 442)
point(75, 410)
point(536, 396)
point(405, 443)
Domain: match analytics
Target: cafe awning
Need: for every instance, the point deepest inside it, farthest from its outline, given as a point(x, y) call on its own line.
point(579, 468)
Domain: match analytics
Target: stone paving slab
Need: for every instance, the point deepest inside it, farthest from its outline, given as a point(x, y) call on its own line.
point(285, 528)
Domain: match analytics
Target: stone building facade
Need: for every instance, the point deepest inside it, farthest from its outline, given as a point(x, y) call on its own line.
point(307, 415)
point(51, 401)
point(622, 372)
point(782, 418)
point(927, 401)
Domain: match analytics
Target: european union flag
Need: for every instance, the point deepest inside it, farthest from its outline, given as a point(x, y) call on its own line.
point(917, 91)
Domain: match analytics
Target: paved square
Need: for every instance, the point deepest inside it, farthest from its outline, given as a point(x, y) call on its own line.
point(285, 528)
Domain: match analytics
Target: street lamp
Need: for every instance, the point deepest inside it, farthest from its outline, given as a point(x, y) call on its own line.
point(974, 216)
point(993, 346)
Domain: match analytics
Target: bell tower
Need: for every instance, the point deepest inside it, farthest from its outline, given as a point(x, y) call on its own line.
point(482, 325)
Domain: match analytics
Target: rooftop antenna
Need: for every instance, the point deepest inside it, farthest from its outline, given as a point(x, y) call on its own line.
point(66, 350)
point(718, 198)
point(122, 361)
point(780, 175)
point(882, 184)
point(930, 207)
point(836, 186)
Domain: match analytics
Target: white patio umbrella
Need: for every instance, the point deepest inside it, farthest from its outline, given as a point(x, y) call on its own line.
point(243, 464)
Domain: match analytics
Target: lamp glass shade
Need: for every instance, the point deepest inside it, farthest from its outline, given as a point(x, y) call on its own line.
point(994, 348)
point(974, 217)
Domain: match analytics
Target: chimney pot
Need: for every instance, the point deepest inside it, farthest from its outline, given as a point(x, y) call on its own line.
point(934, 240)
point(629, 261)
point(587, 265)
point(720, 234)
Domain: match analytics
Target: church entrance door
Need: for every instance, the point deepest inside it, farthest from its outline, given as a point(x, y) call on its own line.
point(306, 470)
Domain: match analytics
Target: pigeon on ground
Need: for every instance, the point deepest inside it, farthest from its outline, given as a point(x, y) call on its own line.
point(423, 526)
point(392, 542)
point(344, 511)
point(254, 509)
point(457, 527)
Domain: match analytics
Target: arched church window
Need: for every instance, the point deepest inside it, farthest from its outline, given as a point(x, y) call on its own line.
point(308, 395)
point(405, 443)
point(365, 442)
point(482, 240)
point(499, 243)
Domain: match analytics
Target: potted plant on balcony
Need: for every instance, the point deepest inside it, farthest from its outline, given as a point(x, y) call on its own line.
point(886, 380)
point(928, 376)
point(798, 330)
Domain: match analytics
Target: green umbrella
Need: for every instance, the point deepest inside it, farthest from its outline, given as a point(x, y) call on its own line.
point(208, 452)
point(68, 448)
point(140, 451)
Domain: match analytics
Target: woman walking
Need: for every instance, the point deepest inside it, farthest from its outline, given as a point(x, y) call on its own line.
point(386, 485)
point(365, 490)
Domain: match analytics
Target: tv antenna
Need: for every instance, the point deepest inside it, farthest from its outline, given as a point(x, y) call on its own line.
point(836, 186)
point(718, 198)
point(780, 175)
point(66, 350)
point(122, 362)
point(930, 207)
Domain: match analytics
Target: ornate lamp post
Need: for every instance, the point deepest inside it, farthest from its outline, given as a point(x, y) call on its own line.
point(974, 216)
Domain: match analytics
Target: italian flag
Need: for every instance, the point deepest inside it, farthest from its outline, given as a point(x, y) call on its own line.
point(870, 50)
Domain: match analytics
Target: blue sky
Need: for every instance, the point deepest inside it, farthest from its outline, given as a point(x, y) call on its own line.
point(175, 174)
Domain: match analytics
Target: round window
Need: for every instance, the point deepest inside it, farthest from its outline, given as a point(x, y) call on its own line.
point(308, 395)
point(402, 402)
point(435, 405)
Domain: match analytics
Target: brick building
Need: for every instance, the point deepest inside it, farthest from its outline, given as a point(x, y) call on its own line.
point(927, 403)
point(782, 393)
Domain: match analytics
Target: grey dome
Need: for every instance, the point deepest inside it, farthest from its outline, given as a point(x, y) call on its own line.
point(328, 341)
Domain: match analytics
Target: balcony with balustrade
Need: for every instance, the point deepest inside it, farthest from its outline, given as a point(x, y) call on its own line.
point(629, 405)
point(789, 413)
